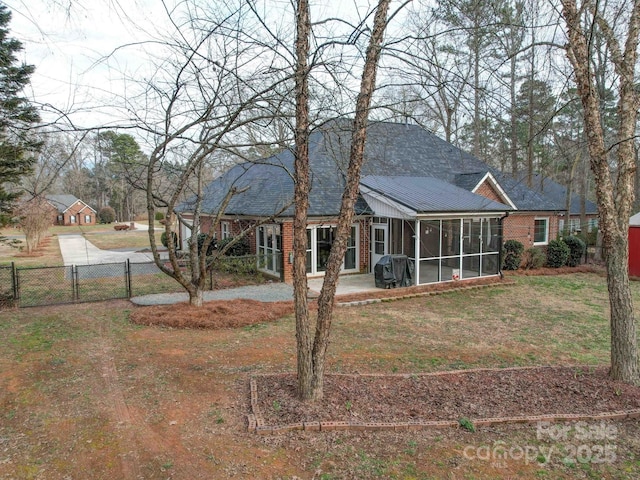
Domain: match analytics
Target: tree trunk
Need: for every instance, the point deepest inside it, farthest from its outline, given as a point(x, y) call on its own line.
point(301, 199)
point(624, 350)
point(195, 297)
point(311, 359)
point(513, 147)
point(614, 199)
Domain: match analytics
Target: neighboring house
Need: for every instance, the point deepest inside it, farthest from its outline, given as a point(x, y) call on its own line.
point(558, 193)
point(419, 196)
point(70, 210)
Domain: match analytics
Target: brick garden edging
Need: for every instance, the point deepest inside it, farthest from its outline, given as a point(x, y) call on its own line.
point(428, 293)
point(257, 425)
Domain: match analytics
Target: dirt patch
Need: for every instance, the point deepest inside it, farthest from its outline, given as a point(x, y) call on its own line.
point(476, 394)
point(213, 315)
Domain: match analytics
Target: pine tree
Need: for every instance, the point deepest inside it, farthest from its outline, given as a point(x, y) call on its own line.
point(17, 118)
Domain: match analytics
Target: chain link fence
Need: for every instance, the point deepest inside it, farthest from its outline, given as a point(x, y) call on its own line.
point(41, 286)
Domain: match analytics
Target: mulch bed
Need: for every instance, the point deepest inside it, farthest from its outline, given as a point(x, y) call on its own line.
point(212, 315)
point(476, 394)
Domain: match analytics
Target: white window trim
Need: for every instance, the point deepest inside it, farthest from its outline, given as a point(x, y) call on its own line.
point(273, 250)
point(225, 230)
point(546, 233)
point(314, 251)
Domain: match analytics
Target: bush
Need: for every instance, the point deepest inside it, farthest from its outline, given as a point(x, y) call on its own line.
point(577, 247)
point(237, 265)
point(159, 216)
point(212, 246)
point(557, 253)
point(165, 242)
point(533, 258)
point(239, 249)
point(107, 215)
point(512, 254)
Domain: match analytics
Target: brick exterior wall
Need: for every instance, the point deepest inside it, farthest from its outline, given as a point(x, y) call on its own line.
point(487, 191)
point(520, 226)
point(287, 246)
point(78, 210)
point(286, 230)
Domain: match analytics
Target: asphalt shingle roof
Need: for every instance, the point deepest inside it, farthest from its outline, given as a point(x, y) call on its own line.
point(62, 202)
point(392, 150)
point(551, 189)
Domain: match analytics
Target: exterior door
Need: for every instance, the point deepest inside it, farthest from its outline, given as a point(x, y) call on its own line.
point(379, 243)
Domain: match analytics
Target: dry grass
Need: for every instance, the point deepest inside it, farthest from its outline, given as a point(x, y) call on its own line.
point(85, 393)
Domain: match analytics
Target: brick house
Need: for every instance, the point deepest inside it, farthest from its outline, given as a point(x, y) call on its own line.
point(583, 213)
point(420, 196)
point(70, 210)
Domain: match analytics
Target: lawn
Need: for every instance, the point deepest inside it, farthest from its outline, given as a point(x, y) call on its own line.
point(86, 394)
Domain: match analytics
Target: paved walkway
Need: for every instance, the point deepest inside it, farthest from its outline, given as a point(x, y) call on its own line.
point(268, 292)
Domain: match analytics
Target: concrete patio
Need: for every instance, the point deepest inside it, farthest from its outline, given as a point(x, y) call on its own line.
point(347, 284)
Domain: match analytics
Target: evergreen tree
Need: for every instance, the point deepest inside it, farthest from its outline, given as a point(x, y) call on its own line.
point(17, 117)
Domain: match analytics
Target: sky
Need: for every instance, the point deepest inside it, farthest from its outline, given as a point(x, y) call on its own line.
point(76, 48)
point(75, 51)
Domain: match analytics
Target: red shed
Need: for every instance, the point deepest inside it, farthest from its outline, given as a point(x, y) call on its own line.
point(634, 245)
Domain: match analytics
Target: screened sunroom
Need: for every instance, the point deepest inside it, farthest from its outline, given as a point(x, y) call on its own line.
point(412, 220)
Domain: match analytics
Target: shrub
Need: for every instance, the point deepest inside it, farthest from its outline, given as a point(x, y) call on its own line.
point(165, 242)
point(212, 246)
point(237, 250)
point(512, 254)
point(533, 258)
point(237, 265)
point(557, 253)
point(107, 215)
point(159, 216)
point(577, 248)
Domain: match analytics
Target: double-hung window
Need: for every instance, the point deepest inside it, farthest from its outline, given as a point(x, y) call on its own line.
point(541, 231)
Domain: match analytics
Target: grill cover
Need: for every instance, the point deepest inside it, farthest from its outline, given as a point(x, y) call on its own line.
point(393, 271)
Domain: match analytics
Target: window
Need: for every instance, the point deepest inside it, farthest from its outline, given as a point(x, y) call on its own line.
point(226, 230)
point(541, 231)
point(574, 225)
point(87, 219)
point(269, 248)
point(72, 219)
point(593, 224)
point(319, 242)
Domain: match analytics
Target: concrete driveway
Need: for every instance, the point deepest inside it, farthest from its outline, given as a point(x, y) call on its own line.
point(77, 250)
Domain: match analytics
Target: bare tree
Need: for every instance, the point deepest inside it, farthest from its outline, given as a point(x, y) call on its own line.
point(312, 350)
point(35, 216)
point(217, 79)
point(614, 189)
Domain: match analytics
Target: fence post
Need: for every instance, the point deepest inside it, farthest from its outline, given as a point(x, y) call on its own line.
point(14, 283)
point(127, 277)
point(74, 283)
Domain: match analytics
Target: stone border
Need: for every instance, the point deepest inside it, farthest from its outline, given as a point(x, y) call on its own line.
point(453, 289)
point(257, 425)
